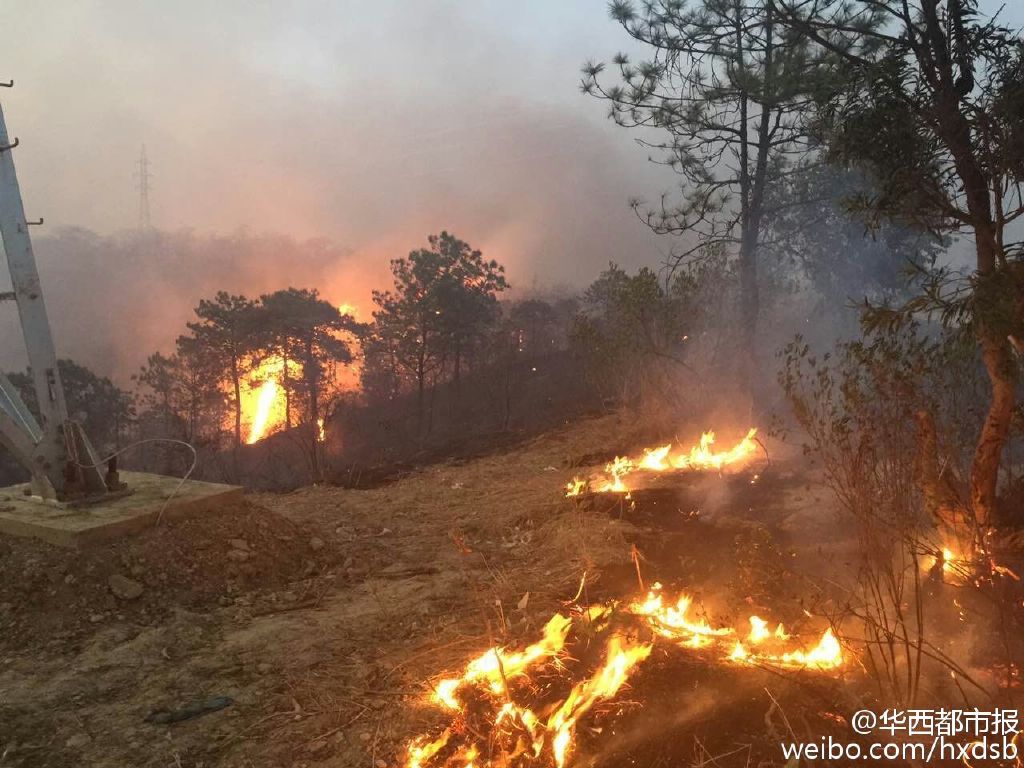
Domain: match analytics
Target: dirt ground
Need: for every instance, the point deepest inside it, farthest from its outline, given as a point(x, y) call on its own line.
point(302, 629)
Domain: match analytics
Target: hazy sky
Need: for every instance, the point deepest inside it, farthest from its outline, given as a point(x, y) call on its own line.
point(372, 124)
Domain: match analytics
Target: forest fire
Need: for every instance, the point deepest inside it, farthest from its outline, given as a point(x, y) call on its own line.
point(502, 706)
point(700, 457)
point(244, 520)
point(263, 399)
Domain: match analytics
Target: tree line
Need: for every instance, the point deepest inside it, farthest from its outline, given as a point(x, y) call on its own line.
point(439, 322)
point(442, 356)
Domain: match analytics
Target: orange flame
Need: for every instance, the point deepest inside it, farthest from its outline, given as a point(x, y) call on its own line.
point(265, 403)
point(553, 731)
point(620, 660)
point(263, 397)
point(661, 459)
point(494, 667)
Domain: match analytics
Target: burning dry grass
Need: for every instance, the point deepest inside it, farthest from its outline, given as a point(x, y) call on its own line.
point(702, 456)
point(522, 706)
point(512, 705)
point(417, 580)
point(469, 566)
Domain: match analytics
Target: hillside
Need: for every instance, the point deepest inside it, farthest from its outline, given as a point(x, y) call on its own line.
point(322, 613)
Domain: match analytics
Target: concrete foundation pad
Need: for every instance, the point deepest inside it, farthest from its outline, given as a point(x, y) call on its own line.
point(76, 525)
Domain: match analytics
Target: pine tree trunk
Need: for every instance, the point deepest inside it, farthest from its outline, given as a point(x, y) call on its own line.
point(753, 214)
point(996, 428)
point(313, 385)
point(236, 380)
point(287, 390)
point(995, 349)
point(421, 373)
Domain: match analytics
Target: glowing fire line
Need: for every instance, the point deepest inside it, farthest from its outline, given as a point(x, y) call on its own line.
point(661, 459)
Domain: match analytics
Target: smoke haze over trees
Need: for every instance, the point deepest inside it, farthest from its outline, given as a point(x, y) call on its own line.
point(802, 165)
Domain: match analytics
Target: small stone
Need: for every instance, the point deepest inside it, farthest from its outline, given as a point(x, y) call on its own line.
point(238, 555)
point(365, 736)
point(239, 544)
point(316, 543)
point(69, 579)
point(264, 668)
point(124, 588)
point(381, 764)
point(319, 747)
point(225, 600)
point(96, 618)
point(78, 741)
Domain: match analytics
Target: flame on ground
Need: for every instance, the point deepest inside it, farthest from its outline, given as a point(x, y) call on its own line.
point(699, 457)
point(504, 688)
point(494, 667)
point(620, 659)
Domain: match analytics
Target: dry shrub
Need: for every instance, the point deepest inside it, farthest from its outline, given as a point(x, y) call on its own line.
point(892, 418)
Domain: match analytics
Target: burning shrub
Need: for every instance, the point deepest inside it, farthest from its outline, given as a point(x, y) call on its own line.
point(889, 416)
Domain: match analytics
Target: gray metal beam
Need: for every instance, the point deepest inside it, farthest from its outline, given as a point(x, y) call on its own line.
point(51, 453)
point(17, 441)
point(12, 404)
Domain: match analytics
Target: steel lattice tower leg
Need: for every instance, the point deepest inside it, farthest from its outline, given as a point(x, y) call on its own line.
point(54, 449)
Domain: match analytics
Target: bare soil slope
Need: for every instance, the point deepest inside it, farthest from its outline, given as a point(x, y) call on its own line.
point(299, 629)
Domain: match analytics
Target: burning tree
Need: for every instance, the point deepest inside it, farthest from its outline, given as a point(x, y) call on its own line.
point(224, 328)
point(301, 332)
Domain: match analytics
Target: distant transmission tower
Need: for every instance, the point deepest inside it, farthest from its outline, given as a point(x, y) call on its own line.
point(144, 177)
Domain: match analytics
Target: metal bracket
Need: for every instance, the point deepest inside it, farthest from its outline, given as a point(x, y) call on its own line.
point(10, 146)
